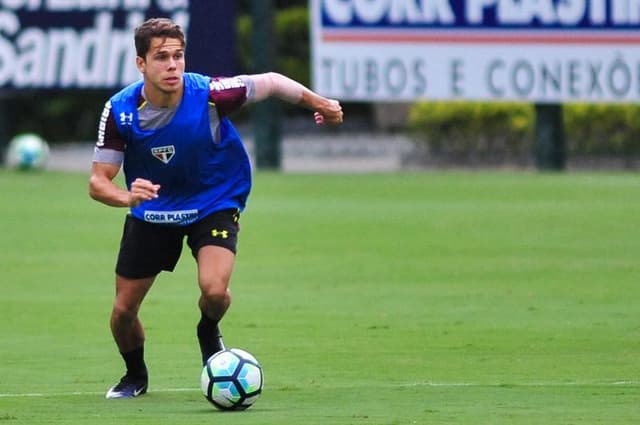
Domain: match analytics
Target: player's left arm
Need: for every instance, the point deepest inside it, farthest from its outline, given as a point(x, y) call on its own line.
point(272, 84)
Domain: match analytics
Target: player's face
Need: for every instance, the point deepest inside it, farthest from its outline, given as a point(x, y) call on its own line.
point(163, 66)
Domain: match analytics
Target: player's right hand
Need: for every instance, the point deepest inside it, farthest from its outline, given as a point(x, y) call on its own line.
point(142, 190)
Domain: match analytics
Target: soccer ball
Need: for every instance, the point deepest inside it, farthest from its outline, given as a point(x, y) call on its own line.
point(232, 379)
point(27, 152)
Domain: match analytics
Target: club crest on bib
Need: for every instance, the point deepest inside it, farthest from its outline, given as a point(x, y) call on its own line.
point(164, 153)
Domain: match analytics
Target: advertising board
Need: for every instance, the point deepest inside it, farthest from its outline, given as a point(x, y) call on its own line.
point(86, 44)
point(545, 51)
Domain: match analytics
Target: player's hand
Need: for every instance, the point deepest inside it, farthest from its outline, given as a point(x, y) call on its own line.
point(142, 190)
point(330, 113)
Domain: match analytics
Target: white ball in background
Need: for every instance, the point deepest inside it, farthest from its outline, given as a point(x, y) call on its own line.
point(27, 152)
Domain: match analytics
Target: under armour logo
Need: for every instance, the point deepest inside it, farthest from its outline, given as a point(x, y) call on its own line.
point(224, 234)
point(126, 119)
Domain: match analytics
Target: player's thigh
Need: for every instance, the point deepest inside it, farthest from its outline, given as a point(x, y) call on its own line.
point(213, 244)
point(215, 265)
point(131, 292)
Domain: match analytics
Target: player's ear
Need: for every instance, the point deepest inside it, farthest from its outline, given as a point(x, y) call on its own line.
point(141, 64)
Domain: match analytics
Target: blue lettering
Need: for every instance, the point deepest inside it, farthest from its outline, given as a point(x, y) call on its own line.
point(486, 13)
point(397, 12)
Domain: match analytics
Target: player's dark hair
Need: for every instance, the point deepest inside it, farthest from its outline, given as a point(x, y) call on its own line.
point(156, 27)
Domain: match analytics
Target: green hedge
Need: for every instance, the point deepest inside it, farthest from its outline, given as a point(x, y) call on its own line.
point(603, 129)
point(503, 130)
point(478, 130)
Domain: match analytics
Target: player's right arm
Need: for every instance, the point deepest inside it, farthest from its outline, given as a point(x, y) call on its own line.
point(107, 160)
point(103, 189)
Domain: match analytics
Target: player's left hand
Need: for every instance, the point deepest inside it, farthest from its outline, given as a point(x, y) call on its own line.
point(330, 113)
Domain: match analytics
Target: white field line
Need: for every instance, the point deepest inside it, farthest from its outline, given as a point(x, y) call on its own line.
point(523, 384)
point(85, 393)
point(408, 384)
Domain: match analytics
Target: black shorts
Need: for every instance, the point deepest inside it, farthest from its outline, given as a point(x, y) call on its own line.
point(148, 248)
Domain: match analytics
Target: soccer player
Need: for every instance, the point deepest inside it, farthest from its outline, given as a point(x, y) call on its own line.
point(187, 175)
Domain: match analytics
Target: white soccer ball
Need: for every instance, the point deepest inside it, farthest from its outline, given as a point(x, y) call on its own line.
point(232, 379)
point(27, 152)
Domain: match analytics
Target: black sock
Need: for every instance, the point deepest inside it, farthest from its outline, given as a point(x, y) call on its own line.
point(134, 360)
point(209, 337)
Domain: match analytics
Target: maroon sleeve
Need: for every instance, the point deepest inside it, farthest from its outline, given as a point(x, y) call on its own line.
point(108, 135)
point(227, 94)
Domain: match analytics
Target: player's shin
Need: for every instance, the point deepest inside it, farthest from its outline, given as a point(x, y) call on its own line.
point(209, 337)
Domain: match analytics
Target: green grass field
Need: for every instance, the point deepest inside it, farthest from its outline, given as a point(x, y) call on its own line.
point(433, 298)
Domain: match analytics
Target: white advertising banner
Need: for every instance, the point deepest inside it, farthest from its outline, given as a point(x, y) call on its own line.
point(544, 51)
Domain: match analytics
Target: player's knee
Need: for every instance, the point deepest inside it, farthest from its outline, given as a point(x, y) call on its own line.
point(123, 314)
point(215, 291)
